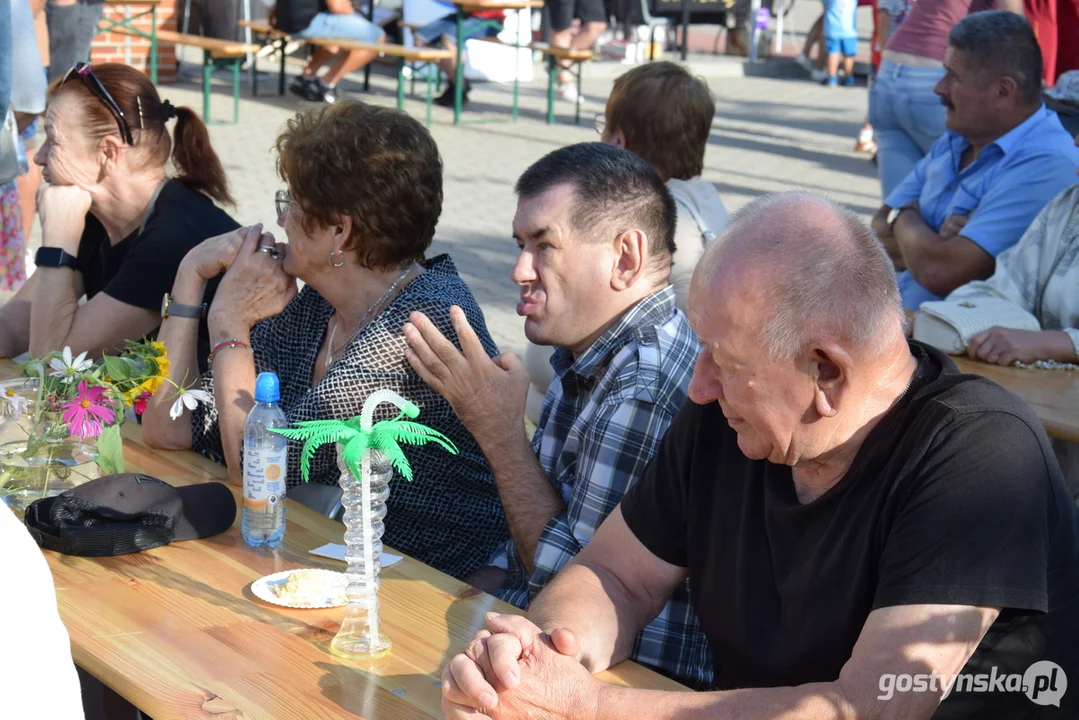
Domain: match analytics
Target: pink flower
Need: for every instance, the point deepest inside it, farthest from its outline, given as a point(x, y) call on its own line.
point(140, 402)
point(87, 412)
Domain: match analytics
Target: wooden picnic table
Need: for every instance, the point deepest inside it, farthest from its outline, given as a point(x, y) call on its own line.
point(128, 23)
point(178, 633)
point(1054, 394)
point(472, 6)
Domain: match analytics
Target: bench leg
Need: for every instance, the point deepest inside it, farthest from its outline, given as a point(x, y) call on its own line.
point(577, 114)
point(281, 44)
point(400, 83)
point(552, 73)
point(412, 79)
point(207, 67)
point(236, 90)
point(430, 98)
point(367, 77)
point(254, 76)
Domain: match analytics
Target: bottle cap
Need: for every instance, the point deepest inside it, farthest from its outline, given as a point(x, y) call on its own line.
point(267, 388)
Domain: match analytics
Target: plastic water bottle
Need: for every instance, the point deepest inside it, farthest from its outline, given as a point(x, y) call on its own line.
point(265, 466)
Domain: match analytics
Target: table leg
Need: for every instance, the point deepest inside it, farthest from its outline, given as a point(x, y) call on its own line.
point(430, 98)
point(400, 83)
point(207, 67)
point(282, 43)
point(254, 77)
point(459, 75)
point(153, 45)
point(552, 72)
point(517, 60)
point(236, 90)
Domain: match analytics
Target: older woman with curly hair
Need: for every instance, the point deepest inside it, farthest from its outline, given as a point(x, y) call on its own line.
point(364, 196)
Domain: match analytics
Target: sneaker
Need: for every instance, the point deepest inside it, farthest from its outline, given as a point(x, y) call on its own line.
point(329, 94)
point(805, 63)
point(849, 81)
point(309, 89)
point(446, 98)
point(568, 92)
point(818, 75)
point(831, 81)
point(865, 142)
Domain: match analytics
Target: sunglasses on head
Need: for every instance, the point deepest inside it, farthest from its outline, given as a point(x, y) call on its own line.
point(82, 69)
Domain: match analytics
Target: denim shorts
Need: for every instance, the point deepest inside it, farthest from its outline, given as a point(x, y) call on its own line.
point(472, 27)
point(848, 46)
point(346, 27)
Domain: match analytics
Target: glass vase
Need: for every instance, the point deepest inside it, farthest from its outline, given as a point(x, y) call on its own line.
point(38, 456)
point(361, 636)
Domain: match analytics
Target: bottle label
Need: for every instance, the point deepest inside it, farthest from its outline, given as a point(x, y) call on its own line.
point(264, 479)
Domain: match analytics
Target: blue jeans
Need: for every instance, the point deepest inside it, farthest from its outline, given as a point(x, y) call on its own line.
point(907, 118)
point(348, 27)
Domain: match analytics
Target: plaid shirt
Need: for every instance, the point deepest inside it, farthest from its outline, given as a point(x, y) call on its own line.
point(602, 421)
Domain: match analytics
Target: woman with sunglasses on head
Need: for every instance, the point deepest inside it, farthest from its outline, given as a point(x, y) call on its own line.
point(364, 196)
point(114, 225)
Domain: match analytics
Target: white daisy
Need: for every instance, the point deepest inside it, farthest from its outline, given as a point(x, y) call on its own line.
point(189, 399)
point(69, 367)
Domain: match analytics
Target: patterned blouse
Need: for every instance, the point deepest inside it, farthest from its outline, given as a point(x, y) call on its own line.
point(1040, 273)
point(450, 515)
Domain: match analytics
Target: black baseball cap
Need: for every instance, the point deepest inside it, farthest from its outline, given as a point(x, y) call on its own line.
point(120, 514)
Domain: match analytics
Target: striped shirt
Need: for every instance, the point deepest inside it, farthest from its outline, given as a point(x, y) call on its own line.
point(602, 421)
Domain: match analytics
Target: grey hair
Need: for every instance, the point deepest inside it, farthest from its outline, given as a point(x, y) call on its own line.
point(1001, 44)
point(830, 276)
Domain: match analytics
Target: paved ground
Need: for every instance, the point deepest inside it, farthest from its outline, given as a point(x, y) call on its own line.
point(769, 135)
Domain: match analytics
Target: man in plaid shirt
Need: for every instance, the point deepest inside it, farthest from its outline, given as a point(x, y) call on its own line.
point(595, 225)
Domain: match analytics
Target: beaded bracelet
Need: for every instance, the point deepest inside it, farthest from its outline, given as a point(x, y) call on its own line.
point(225, 344)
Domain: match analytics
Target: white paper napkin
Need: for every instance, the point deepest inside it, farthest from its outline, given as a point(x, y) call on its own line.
point(337, 552)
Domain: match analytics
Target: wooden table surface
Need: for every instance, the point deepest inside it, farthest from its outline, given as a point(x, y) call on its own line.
point(177, 631)
point(132, 2)
point(1054, 394)
point(481, 5)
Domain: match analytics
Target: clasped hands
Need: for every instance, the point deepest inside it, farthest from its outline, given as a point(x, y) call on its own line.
point(515, 670)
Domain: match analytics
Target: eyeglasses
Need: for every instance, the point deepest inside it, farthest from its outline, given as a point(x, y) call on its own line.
point(600, 122)
point(282, 200)
point(82, 69)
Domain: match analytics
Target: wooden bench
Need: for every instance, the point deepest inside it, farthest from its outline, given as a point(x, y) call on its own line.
point(214, 50)
point(553, 55)
point(402, 53)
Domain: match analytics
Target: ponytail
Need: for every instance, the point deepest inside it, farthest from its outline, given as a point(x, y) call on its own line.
point(200, 168)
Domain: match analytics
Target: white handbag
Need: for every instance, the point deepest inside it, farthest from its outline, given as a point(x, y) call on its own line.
point(949, 325)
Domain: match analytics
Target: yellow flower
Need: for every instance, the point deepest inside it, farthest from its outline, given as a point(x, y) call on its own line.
point(162, 363)
point(149, 385)
point(159, 347)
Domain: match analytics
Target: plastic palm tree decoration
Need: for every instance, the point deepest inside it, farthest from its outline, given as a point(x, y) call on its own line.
point(357, 438)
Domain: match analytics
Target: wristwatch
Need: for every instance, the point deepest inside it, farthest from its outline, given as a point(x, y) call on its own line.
point(894, 214)
point(170, 308)
point(54, 257)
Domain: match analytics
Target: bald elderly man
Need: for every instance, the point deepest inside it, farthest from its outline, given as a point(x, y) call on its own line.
point(867, 530)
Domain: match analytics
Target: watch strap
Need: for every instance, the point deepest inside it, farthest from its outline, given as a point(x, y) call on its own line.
point(171, 308)
point(55, 257)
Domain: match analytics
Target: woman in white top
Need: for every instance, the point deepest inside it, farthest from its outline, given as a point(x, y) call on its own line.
point(1040, 274)
point(664, 115)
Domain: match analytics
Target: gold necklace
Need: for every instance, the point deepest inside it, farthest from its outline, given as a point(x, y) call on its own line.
point(333, 331)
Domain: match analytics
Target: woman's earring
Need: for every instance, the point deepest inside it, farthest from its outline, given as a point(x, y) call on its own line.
point(342, 258)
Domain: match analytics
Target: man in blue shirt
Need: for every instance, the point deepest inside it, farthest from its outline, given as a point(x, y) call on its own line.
point(1004, 157)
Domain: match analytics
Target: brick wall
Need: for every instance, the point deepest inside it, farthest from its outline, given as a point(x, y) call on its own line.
point(135, 51)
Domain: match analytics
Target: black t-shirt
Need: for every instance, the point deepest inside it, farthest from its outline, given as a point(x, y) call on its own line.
point(955, 497)
point(295, 15)
point(141, 268)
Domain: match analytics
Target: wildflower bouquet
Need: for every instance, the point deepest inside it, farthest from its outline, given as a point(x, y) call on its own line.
point(84, 399)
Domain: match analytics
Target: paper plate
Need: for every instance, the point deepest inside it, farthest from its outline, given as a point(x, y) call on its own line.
point(263, 589)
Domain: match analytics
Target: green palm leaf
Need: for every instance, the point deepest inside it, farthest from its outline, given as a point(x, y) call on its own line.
point(396, 456)
point(352, 453)
point(413, 433)
point(314, 434)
